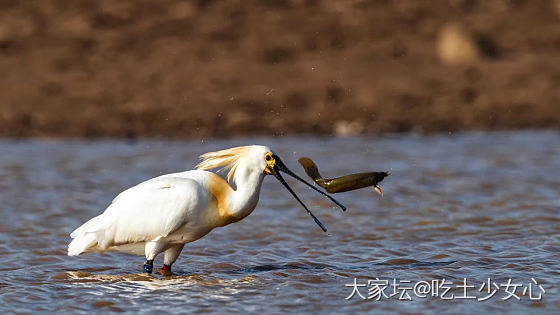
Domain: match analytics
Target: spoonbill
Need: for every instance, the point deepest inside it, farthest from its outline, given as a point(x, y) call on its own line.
point(164, 213)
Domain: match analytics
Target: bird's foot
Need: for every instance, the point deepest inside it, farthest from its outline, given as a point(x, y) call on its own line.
point(165, 271)
point(148, 266)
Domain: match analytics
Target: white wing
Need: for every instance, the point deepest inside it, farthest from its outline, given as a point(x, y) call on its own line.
point(148, 211)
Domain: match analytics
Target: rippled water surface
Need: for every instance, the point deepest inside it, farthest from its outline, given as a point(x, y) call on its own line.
point(474, 206)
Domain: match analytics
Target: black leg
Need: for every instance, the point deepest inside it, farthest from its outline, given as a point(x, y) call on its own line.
point(149, 266)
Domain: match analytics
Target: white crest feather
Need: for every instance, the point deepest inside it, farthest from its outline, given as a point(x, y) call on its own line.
point(225, 160)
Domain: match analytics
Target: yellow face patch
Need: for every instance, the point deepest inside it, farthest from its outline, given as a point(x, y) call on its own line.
point(270, 162)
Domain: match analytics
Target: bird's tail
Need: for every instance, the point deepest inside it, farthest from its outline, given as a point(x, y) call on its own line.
point(81, 243)
point(86, 236)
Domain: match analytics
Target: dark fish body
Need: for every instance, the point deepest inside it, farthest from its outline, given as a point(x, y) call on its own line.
point(351, 182)
point(343, 183)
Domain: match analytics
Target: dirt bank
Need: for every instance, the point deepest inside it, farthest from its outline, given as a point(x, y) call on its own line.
point(223, 68)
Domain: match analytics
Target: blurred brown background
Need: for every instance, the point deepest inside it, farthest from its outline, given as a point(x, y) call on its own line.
point(273, 67)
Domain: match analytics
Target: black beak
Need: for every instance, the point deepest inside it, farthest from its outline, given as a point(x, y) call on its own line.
point(281, 179)
point(280, 166)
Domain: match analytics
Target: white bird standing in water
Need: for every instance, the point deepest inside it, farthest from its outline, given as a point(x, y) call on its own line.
point(164, 213)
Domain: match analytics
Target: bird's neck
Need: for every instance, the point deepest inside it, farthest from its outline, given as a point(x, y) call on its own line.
point(244, 199)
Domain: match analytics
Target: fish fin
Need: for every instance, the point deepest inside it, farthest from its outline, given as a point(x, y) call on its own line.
point(378, 189)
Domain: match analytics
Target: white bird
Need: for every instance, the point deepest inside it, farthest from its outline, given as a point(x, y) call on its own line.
point(164, 213)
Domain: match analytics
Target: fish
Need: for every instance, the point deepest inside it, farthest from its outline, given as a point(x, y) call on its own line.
point(343, 183)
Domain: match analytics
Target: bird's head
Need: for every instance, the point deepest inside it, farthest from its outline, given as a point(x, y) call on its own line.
point(273, 165)
point(257, 158)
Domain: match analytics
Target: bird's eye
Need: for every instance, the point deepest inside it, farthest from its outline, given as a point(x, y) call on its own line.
point(268, 158)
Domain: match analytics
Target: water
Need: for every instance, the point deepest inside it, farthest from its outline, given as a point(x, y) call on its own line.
point(474, 206)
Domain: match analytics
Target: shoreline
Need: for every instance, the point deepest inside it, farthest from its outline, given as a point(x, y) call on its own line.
point(177, 69)
point(291, 136)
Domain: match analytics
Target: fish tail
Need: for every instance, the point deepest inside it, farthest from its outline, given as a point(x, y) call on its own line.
point(310, 168)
